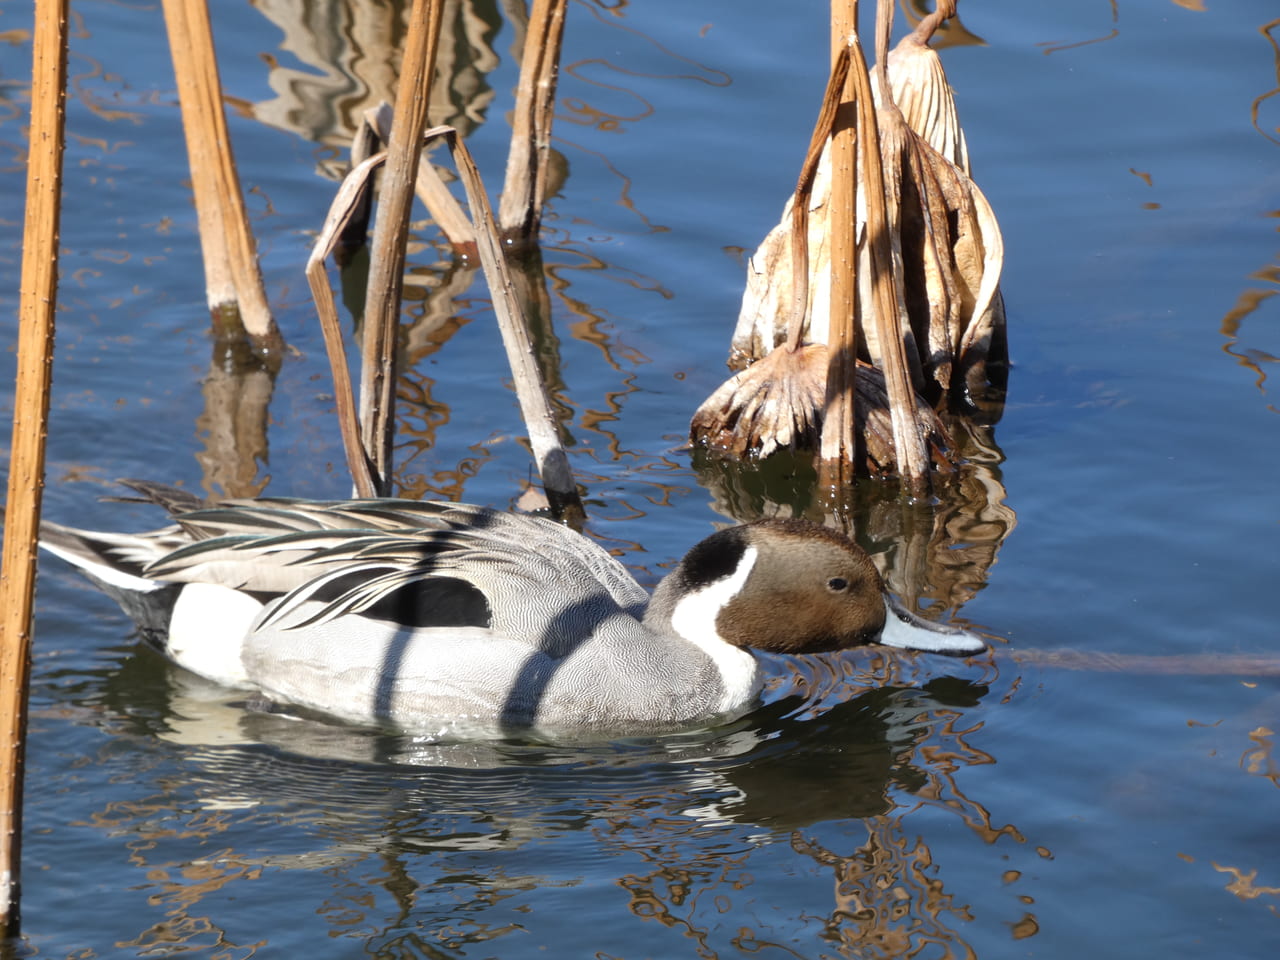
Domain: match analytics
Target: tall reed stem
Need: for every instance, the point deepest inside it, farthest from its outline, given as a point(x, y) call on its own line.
point(390, 236)
point(233, 281)
point(909, 446)
point(525, 190)
point(36, 306)
point(840, 436)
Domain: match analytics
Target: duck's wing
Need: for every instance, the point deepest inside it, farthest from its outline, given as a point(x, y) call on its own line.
point(290, 542)
point(278, 515)
point(434, 564)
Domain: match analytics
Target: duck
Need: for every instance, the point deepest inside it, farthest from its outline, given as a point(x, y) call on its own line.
point(447, 620)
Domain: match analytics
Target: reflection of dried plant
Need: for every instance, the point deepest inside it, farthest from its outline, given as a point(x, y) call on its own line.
point(888, 900)
point(1265, 30)
point(1243, 886)
point(1260, 760)
point(237, 394)
point(941, 759)
point(1246, 304)
point(344, 59)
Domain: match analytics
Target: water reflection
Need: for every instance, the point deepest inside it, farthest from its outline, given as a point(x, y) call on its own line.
point(1056, 46)
point(936, 556)
point(888, 902)
point(1256, 108)
point(233, 425)
point(350, 56)
point(1252, 358)
point(441, 846)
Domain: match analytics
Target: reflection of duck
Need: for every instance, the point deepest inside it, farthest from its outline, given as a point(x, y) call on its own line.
point(780, 769)
point(457, 620)
point(845, 763)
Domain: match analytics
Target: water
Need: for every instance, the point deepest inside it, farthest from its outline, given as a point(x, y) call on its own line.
point(903, 808)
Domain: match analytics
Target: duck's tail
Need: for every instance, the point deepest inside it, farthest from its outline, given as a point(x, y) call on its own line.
point(116, 563)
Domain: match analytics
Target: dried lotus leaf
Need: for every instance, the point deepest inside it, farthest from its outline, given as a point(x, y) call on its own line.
point(920, 88)
point(931, 297)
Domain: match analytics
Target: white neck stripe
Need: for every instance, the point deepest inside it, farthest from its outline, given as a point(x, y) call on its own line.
point(694, 619)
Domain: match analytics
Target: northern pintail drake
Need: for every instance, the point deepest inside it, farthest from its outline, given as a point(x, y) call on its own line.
point(451, 620)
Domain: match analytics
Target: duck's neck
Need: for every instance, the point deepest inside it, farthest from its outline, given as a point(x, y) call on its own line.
point(691, 616)
point(661, 608)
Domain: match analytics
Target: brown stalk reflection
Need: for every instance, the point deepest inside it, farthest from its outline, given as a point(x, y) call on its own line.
point(1243, 885)
point(1256, 106)
point(1051, 46)
point(624, 191)
point(179, 886)
point(233, 426)
point(889, 898)
point(1259, 760)
point(935, 556)
point(1247, 303)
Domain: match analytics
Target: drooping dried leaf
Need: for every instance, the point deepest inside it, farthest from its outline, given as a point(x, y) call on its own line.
point(777, 403)
point(938, 188)
point(933, 297)
point(919, 87)
point(952, 271)
point(773, 403)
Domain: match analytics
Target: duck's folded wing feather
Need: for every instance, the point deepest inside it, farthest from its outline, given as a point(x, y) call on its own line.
point(549, 592)
point(259, 532)
point(277, 564)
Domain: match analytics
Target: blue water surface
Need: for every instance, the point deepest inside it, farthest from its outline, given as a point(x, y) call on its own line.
point(1104, 785)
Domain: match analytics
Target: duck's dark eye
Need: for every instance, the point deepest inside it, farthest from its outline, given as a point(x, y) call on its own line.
point(836, 584)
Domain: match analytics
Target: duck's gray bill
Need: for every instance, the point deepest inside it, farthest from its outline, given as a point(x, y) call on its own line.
point(904, 629)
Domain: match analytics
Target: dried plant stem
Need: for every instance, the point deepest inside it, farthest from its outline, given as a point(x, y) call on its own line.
point(430, 188)
point(524, 193)
point(352, 200)
point(822, 132)
point(909, 446)
point(839, 440)
point(37, 303)
point(943, 10)
point(386, 266)
point(233, 280)
point(927, 309)
point(535, 404)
